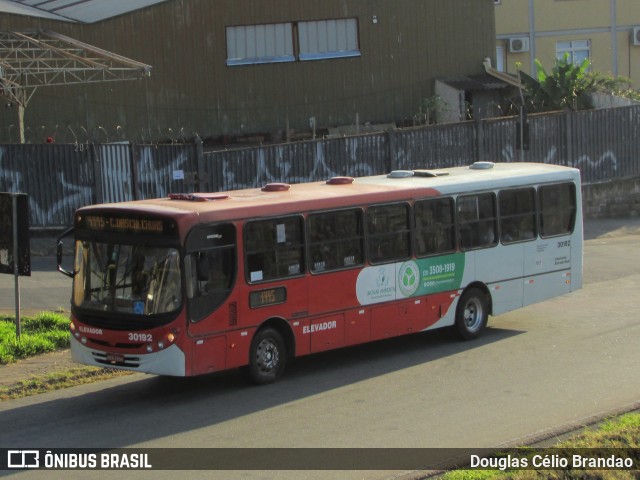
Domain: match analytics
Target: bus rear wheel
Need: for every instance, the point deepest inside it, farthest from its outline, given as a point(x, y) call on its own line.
point(267, 357)
point(472, 314)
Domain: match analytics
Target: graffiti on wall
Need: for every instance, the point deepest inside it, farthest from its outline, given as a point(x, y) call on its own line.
point(291, 163)
point(61, 178)
point(53, 197)
point(604, 167)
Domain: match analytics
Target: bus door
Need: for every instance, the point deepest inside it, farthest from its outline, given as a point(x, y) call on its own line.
point(518, 232)
point(210, 275)
point(548, 260)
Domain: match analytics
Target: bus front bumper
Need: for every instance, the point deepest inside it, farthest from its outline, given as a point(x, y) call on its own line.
point(170, 361)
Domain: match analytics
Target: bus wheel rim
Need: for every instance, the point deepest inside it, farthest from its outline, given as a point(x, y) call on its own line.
point(473, 314)
point(268, 355)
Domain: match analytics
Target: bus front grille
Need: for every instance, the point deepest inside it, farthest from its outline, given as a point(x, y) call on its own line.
point(116, 360)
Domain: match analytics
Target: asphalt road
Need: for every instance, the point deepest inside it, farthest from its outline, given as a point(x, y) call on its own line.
point(44, 289)
point(535, 373)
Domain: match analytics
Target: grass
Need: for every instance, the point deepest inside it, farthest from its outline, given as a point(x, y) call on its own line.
point(58, 380)
point(619, 433)
point(46, 332)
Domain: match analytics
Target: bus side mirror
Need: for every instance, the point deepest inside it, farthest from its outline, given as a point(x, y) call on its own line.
point(59, 254)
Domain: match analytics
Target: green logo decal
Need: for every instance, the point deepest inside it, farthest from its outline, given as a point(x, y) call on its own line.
point(408, 278)
point(384, 283)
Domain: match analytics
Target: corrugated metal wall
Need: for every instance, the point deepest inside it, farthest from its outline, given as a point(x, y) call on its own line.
point(161, 169)
point(57, 179)
point(547, 139)
point(114, 179)
point(191, 90)
point(603, 144)
point(436, 146)
point(297, 162)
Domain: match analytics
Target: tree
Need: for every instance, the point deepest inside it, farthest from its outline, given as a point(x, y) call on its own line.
point(567, 87)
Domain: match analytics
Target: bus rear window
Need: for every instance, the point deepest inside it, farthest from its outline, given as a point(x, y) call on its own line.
point(557, 209)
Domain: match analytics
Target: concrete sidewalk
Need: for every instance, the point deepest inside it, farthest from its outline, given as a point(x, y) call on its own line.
point(40, 365)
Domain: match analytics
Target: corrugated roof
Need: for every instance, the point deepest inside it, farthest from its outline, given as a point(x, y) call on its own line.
point(482, 82)
point(85, 11)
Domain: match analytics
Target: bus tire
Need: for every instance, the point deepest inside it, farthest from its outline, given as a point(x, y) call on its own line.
point(268, 357)
point(471, 314)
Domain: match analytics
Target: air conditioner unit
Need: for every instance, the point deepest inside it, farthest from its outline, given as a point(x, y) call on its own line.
point(635, 36)
point(519, 44)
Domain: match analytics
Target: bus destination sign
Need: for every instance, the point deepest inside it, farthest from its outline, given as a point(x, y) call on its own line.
point(106, 223)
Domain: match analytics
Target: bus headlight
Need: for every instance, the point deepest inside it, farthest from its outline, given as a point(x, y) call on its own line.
point(149, 348)
point(74, 331)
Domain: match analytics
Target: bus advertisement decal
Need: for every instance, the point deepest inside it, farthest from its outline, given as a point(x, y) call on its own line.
point(383, 283)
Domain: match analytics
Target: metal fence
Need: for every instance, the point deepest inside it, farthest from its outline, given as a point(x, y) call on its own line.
point(603, 144)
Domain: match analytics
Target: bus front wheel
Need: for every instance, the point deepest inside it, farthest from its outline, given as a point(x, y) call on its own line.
point(471, 314)
point(267, 357)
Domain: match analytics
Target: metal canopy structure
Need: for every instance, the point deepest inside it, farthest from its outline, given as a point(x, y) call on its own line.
point(29, 60)
point(82, 11)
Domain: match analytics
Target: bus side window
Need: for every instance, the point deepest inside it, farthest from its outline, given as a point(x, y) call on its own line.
point(389, 233)
point(435, 227)
point(557, 209)
point(517, 215)
point(274, 248)
point(477, 222)
point(335, 240)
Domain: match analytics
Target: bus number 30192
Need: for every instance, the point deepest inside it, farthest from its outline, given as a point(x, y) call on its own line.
point(140, 337)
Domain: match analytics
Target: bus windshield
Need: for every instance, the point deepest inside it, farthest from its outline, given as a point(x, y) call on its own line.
point(133, 279)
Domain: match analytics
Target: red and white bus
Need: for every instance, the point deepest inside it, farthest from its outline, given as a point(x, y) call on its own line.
point(199, 283)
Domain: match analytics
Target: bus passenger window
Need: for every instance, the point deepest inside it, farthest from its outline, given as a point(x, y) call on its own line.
point(335, 240)
point(274, 248)
point(388, 231)
point(557, 209)
point(435, 227)
point(477, 221)
point(517, 215)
